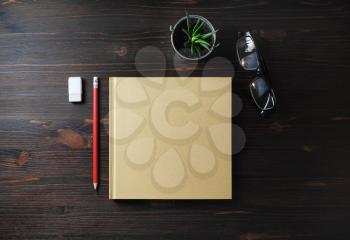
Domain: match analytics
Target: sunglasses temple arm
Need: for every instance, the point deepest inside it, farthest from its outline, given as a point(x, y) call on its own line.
point(267, 102)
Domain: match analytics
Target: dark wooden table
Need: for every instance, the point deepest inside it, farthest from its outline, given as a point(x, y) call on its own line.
point(292, 180)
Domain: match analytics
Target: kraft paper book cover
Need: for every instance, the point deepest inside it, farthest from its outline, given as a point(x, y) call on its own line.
point(170, 138)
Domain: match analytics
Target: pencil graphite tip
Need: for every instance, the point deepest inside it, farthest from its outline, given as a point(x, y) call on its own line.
point(95, 186)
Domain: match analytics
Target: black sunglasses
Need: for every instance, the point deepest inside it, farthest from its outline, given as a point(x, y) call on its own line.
point(251, 60)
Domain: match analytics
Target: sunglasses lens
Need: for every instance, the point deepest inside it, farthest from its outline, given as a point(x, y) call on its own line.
point(250, 62)
point(262, 94)
point(246, 52)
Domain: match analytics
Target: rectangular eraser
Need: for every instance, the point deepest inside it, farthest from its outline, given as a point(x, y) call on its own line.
point(74, 89)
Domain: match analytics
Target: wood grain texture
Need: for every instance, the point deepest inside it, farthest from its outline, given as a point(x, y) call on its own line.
point(292, 179)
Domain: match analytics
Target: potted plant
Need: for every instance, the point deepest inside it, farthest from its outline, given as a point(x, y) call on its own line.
point(193, 37)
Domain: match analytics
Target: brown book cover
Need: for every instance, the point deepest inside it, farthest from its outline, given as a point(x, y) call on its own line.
point(170, 138)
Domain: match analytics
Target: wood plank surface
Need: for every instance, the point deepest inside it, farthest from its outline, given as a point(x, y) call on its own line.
point(291, 181)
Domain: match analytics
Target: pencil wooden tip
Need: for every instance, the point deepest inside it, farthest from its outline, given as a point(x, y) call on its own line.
point(95, 186)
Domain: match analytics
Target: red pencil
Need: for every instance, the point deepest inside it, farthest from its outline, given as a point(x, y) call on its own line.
point(95, 134)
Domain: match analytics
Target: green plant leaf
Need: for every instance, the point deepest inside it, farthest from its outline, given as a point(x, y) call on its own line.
point(196, 25)
point(205, 46)
point(201, 41)
point(192, 49)
point(193, 39)
point(188, 21)
point(187, 34)
point(205, 36)
point(197, 50)
point(195, 31)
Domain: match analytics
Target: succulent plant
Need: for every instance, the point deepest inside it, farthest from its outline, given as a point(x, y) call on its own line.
point(197, 39)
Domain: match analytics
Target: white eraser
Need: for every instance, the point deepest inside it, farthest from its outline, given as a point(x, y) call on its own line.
point(74, 89)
